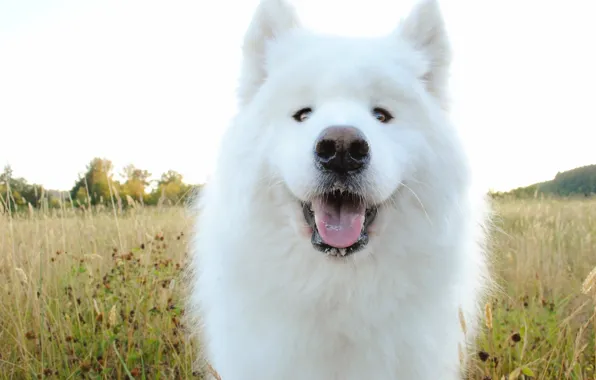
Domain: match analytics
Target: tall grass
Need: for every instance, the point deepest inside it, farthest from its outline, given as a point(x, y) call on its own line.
point(540, 324)
point(83, 295)
point(97, 294)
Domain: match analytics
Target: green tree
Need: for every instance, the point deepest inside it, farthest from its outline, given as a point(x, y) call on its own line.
point(16, 192)
point(170, 188)
point(6, 175)
point(8, 197)
point(136, 182)
point(95, 183)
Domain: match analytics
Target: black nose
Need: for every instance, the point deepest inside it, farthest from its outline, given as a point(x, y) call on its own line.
point(342, 150)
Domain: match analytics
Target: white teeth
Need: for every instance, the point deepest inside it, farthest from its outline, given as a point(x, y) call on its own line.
point(336, 252)
point(339, 187)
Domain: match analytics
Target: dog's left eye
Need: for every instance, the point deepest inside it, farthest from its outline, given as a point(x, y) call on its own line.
point(302, 114)
point(382, 115)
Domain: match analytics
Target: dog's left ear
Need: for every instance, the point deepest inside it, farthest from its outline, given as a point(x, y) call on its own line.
point(424, 29)
point(271, 19)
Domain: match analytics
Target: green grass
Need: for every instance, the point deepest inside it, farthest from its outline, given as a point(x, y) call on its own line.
point(99, 296)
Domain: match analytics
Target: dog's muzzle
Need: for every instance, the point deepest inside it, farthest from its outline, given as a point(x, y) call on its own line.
point(339, 222)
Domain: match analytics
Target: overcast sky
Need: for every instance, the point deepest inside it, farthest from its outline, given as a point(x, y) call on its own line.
point(134, 80)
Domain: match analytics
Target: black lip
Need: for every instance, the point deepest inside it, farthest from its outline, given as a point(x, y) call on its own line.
point(317, 241)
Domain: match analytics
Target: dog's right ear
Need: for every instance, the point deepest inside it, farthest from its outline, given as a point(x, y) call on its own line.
point(271, 19)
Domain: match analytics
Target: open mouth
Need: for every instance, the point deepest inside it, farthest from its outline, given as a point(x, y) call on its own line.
point(339, 221)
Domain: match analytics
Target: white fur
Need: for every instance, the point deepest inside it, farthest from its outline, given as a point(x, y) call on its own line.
point(270, 305)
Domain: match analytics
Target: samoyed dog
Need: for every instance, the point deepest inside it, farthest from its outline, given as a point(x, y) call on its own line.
point(340, 236)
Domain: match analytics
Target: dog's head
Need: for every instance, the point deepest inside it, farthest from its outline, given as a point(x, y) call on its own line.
point(348, 122)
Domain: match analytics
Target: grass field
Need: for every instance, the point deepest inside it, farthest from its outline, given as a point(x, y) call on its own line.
point(98, 295)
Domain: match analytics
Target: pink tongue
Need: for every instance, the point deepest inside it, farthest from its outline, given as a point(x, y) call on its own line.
point(338, 225)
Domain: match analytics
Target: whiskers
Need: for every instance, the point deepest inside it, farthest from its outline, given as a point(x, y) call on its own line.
point(364, 191)
point(402, 184)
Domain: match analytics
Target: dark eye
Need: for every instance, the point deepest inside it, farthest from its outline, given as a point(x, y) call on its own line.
point(302, 114)
point(382, 115)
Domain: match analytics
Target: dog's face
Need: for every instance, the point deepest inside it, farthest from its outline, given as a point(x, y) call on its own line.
point(347, 121)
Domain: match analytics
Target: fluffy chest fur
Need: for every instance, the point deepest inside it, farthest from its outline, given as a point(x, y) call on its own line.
point(274, 308)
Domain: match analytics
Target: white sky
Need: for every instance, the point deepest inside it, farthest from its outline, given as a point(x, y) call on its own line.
point(152, 83)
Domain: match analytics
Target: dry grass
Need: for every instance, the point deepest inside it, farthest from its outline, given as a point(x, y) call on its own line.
point(93, 295)
point(98, 295)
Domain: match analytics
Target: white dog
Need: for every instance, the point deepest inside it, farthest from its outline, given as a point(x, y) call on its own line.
point(339, 237)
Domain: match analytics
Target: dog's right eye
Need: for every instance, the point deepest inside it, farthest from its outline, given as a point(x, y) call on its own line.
point(382, 115)
point(302, 114)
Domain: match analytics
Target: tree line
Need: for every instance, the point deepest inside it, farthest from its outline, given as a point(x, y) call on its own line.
point(577, 182)
point(97, 186)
